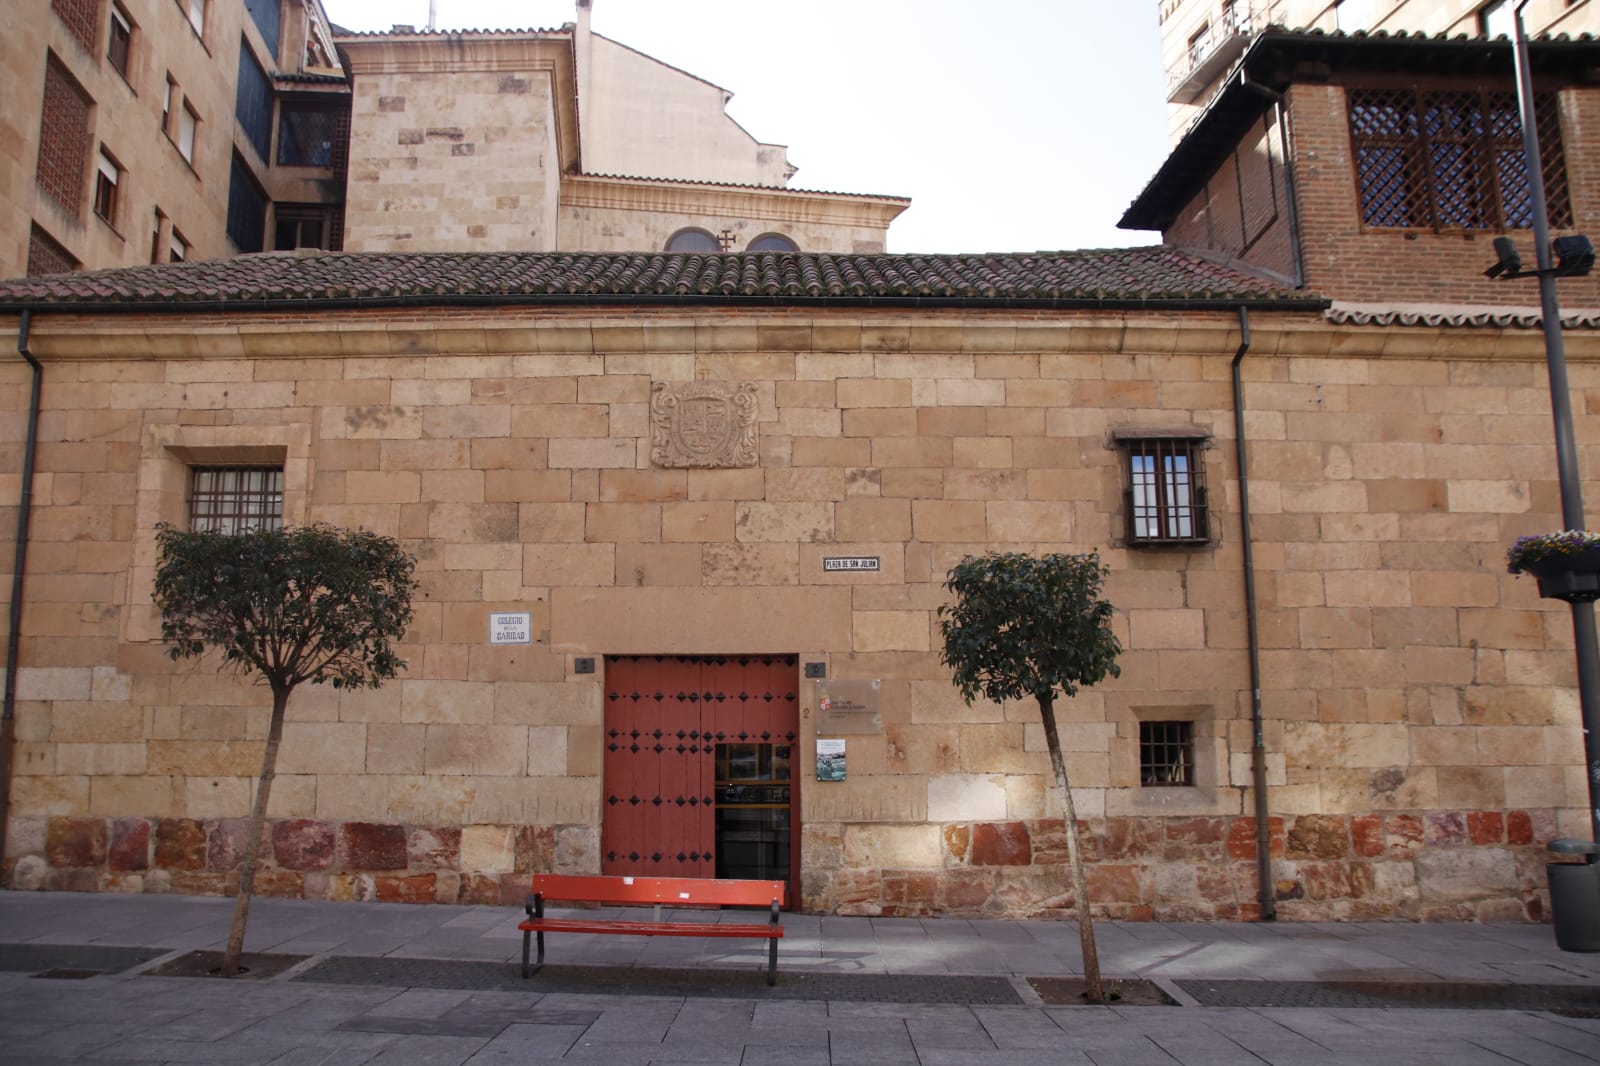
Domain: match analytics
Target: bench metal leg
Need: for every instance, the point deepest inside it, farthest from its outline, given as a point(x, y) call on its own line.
point(525, 954)
point(772, 962)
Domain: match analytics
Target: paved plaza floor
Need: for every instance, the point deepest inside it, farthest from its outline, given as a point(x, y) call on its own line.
point(394, 983)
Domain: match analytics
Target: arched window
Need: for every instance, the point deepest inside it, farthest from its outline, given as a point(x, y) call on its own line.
point(773, 242)
point(692, 240)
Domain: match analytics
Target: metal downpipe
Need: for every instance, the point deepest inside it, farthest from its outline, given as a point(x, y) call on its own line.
point(1265, 895)
point(8, 714)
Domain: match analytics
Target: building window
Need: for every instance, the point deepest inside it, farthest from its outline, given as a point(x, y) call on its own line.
point(693, 240)
point(252, 103)
point(120, 41)
point(1166, 754)
point(177, 247)
point(107, 180)
point(306, 134)
point(64, 144)
point(247, 208)
point(1352, 15)
point(195, 12)
point(300, 226)
point(47, 256)
point(166, 106)
point(773, 242)
point(1496, 19)
point(1452, 160)
point(232, 499)
point(81, 18)
point(265, 14)
point(188, 125)
point(1165, 499)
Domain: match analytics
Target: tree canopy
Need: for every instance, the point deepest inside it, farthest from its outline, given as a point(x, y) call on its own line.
point(1024, 625)
point(314, 603)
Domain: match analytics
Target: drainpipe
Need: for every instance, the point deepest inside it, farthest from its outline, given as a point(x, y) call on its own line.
point(8, 714)
point(1296, 252)
point(1258, 744)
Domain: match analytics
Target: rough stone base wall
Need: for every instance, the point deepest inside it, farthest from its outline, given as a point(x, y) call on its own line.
point(1432, 866)
point(300, 858)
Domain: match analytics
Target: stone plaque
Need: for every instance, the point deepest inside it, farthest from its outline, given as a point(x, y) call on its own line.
point(848, 707)
point(703, 424)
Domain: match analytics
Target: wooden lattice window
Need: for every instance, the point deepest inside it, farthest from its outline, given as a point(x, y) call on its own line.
point(1165, 498)
point(231, 499)
point(1166, 754)
point(1435, 159)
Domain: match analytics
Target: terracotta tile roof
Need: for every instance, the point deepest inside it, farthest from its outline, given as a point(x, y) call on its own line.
point(1455, 315)
point(1121, 277)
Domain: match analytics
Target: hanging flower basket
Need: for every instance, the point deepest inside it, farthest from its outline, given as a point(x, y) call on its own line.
point(1565, 563)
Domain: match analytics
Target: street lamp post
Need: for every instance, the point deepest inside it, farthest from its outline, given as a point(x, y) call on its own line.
point(1572, 516)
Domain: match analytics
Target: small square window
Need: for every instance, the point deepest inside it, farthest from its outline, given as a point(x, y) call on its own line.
point(1166, 754)
point(106, 182)
point(120, 41)
point(1166, 493)
point(232, 499)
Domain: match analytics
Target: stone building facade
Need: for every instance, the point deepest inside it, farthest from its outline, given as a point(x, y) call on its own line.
point(1420, 721)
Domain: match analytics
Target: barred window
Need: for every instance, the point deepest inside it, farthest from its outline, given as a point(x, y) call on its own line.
point(1166, 754)
point(1166, 494)
point(232, 499)
point(1452, 159)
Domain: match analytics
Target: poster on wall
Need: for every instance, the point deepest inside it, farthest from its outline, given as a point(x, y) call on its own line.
point(830, 759)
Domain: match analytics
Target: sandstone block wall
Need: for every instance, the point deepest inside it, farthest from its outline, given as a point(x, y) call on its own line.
point(1420, 710)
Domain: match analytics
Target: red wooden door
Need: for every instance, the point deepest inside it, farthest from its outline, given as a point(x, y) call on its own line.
point(664, 717)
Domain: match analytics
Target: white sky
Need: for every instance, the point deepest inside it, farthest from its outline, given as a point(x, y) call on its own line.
point(1013, 125)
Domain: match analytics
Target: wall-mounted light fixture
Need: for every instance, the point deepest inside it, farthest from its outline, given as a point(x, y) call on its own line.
point(1574, 257)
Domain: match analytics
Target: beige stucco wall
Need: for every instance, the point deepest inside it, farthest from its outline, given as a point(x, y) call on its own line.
point(126, 119)
point(642, 117)
point(1420, 714)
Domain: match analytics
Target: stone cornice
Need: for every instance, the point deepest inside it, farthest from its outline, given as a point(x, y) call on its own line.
point(665, 332)
point(683, 198)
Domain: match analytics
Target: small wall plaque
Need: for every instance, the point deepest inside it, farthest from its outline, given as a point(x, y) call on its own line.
point(848, 707)
point(583, 666)
point(849, 562)
point(816, 670)
point(510, 627)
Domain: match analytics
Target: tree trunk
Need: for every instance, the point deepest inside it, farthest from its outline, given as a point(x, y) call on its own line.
point(1080, 885)
point(258, 822)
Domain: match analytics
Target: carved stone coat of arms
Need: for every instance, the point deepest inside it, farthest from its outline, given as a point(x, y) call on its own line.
point(703, 424)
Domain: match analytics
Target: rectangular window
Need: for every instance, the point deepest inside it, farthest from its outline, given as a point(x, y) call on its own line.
point(120, 42)
point(188, 124)
point(195, 12)
point(1166, 754)
point(252, 103)
point(177, 247)
point(1496, 19)
point(300, 226)
point(166, 106)
point(231, 499)
point(265, 14)
point(64, 143)
point(306, 134)
point(155, 235)
point(1452, 160)
point(1166, 492)
point(106, 182)
point(247, 208)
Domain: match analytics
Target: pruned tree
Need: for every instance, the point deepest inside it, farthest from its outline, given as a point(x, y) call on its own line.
point(1021, 626)
point(287, 606)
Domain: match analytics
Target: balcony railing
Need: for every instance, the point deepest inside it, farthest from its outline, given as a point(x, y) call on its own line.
point(1213, 50)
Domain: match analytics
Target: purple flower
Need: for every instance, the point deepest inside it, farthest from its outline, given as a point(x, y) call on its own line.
point(1531, 550)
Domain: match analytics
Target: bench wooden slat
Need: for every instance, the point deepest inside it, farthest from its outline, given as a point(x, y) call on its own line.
point(657, 892)
point(641, 928)
point(666, 891)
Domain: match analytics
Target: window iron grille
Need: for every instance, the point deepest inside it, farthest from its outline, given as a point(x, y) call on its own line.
point(307, 135)
point(1166, 754)
point(232, 499)
point(1166, 495)
point(1452, 160)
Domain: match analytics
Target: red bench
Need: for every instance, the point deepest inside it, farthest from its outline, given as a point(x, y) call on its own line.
point(656, 892)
